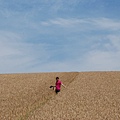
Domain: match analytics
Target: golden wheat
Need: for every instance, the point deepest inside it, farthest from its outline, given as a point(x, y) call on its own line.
point(88, 96)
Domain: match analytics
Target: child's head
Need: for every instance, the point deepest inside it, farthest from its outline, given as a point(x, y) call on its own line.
point(57, 78)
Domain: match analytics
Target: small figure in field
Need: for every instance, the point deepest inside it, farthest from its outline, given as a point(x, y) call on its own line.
point(58, 85)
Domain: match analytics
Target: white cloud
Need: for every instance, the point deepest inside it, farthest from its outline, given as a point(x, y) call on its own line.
point(103, 56)
point(17, 55)
point(87, 23)
point(102, 60)
point(106, 23)
point(64, 22)
point(115, 41)
point(7, 42)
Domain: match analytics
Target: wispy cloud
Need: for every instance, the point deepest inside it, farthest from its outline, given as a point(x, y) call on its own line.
point(100, 23)
point(102, 60)
point(64, 22)
point(18, 55)
point(105, 57)
point(107, 23)
point(115, 41)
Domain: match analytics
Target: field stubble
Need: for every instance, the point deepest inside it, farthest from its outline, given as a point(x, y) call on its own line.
point(88, 96)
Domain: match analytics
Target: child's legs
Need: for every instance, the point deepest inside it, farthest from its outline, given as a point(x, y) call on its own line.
point(57, 91)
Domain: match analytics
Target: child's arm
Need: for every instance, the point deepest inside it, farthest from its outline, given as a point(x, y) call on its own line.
point(63, 85)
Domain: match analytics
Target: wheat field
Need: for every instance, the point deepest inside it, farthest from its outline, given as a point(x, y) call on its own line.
point(87, 96)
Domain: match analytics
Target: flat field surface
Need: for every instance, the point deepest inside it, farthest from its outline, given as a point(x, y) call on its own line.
point(87, 96)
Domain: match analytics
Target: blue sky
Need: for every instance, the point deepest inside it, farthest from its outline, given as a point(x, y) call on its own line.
point(59, 35)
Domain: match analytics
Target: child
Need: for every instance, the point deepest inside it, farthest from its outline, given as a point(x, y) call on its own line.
point(58, 85)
